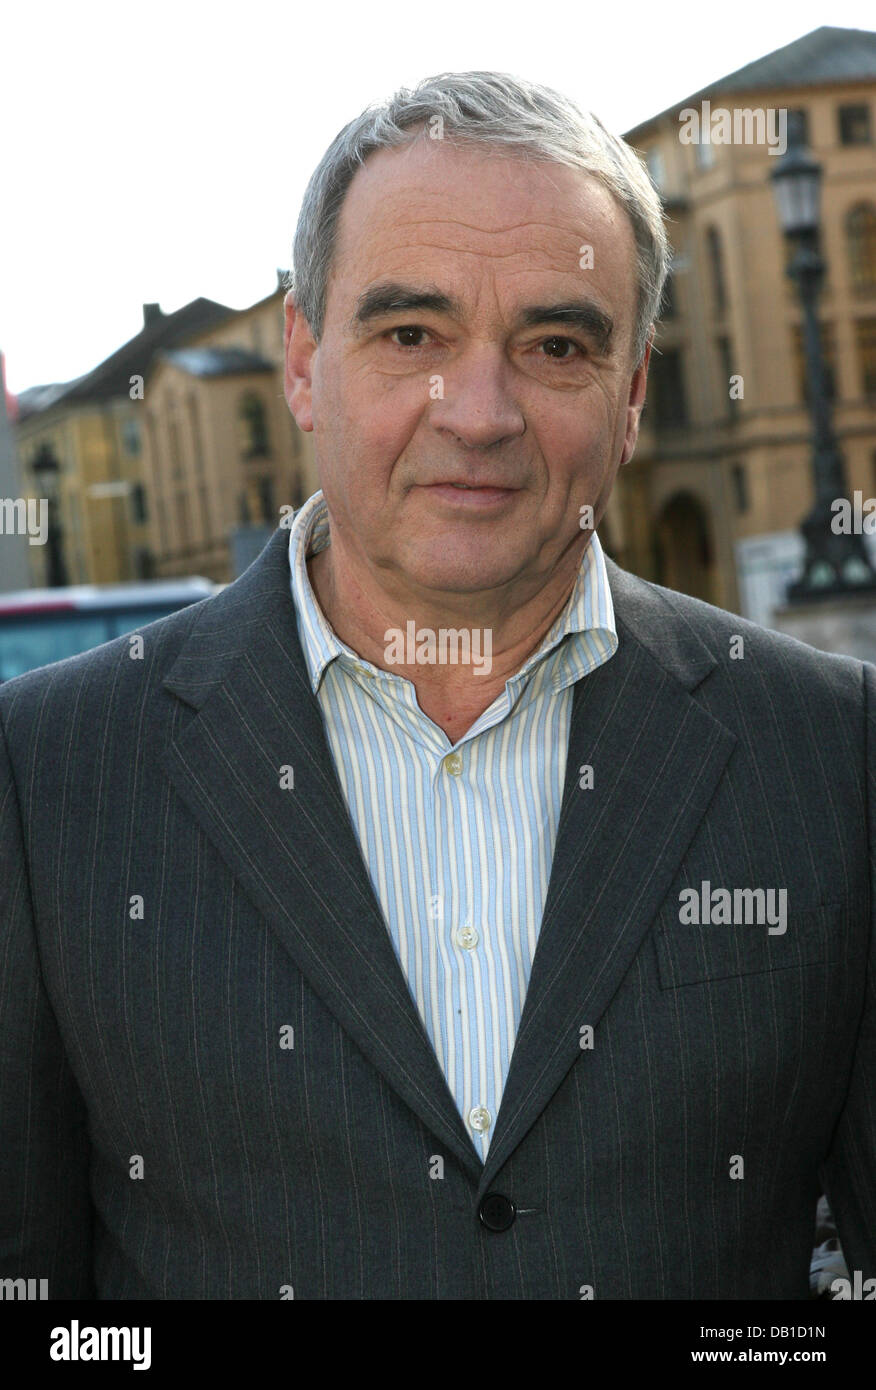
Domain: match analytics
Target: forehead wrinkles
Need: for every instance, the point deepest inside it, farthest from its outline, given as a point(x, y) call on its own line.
point(546, 240)
point(470, 204)
point(433, 251)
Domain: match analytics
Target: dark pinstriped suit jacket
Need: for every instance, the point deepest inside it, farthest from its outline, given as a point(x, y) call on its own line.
point(265, 1167)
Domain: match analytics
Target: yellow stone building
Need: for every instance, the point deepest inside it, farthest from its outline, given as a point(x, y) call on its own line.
point(172, 456)
point(81, 445)
point(721, 477)
point(222, 454)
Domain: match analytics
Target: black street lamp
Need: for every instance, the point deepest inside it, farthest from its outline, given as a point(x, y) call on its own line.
point(836, 563)
point(45, 469)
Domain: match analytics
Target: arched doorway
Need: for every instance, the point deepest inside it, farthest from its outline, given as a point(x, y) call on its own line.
point(683, 545)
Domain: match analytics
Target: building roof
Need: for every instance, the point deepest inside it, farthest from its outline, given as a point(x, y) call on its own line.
point(38, 398)
point(217, 361)
point(112, 377)
point(825, 55)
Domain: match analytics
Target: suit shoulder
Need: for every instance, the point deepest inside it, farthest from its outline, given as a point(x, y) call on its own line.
point(762, 653)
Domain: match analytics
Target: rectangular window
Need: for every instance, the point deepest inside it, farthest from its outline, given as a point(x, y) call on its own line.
point(131, 436)
point(798, 120)
point(740, 487)
point(656, 167)
point(138, 504)
point(855, 125)
point(866, 335)
point(666, 396)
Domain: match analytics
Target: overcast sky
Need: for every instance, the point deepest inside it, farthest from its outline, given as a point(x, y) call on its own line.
point(159, 151)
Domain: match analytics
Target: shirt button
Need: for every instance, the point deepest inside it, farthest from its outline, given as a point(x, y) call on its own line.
point(480, 1119)
point(467, 937)
point(453, 764)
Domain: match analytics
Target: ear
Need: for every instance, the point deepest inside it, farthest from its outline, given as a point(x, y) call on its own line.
point(636, 400)
point(298, 347)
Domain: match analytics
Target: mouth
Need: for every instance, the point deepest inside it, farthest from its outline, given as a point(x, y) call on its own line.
point(471, 494)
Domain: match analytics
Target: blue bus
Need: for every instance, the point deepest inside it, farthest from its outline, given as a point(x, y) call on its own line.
point(39, 626)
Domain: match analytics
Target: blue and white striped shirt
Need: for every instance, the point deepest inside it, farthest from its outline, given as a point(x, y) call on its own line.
point(458, 839)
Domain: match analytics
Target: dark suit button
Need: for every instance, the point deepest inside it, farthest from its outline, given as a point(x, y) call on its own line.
point(497, 1213)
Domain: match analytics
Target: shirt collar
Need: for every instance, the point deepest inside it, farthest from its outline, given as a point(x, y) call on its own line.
point(587, 618)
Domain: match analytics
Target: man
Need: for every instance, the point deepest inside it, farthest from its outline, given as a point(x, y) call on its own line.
point(441, 912)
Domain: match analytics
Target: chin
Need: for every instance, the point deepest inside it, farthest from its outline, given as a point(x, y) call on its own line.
point(465, 574)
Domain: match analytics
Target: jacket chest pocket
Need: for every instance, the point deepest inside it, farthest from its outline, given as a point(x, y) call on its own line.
point(688, 953)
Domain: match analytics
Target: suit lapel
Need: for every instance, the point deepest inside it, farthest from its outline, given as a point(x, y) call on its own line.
point(656, 756)
point(295, 851)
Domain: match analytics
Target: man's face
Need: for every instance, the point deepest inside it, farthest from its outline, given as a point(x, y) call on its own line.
point(516, 377)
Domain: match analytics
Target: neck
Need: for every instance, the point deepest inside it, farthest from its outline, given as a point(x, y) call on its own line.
point(502, 631)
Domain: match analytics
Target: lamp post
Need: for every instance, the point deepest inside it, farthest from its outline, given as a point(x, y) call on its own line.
point(835, 563)
point(46, 469)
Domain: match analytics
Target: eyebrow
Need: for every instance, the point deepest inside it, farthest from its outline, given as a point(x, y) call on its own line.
point(394, 298)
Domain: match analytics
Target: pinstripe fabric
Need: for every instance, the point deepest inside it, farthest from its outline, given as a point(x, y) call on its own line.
point(214, 1081)
point(468, 850)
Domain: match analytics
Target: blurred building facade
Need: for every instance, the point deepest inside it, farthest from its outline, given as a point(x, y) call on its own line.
point(190, 476)
point(721, 476)
point(164, 457)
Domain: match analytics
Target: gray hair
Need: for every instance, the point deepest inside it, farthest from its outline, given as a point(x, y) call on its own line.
point(481, 108)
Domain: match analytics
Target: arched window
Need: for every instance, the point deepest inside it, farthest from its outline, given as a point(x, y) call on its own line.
point(683, 546)
point(861, 247)
point(254, 426)
point(716, 269)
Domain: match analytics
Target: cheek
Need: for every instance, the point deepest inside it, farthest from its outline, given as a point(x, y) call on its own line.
point(576, 423)
point(378, 410)
point(584, 447)
point(386, 430)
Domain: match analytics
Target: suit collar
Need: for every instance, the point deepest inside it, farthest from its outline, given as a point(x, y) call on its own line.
point(651, 616)
point(230, 623)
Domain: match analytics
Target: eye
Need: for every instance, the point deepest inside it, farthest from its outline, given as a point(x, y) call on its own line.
point(562, 342)
point(409, 329)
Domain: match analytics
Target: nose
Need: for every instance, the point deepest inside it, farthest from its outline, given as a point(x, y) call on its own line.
point(478, 403)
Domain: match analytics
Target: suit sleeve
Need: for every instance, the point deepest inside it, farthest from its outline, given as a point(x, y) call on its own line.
point(45, 1205)
point(850, 1169)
